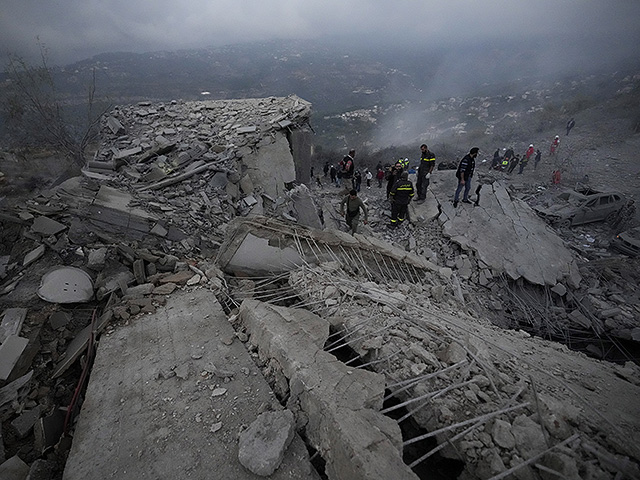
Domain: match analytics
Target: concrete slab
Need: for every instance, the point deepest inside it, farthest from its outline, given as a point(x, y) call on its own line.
point(10, 352)
point(506, 234)
point(12, 320)
point(47, 226)
point(155, 409)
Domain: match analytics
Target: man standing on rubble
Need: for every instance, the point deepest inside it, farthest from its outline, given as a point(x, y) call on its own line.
point(427, 164)
point(400, 196)
point(348, 167)
point(464, 173)
point(352, 215)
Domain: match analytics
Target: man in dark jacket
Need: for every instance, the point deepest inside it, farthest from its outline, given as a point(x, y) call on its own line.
point(427, 164)
point(400, 196)
point(464, 173)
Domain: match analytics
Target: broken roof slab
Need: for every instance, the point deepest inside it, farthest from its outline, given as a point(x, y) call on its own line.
point(169, 414)
point(506, 234)
point(260, 245)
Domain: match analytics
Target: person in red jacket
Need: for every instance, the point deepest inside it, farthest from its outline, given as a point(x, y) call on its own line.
point(530, 151)
point(554, 145)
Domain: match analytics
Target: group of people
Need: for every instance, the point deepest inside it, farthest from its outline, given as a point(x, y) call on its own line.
point(509, 160)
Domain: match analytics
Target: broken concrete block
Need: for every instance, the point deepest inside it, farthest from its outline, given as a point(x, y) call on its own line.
point(12, 320)
point(25, 422)
point(33, 255)
point(10, 352)
point(559, 289)
point(159, 230)
point(59, 319)
point(66, 285)
point(261, 447)
point(14, 469)
point(139, 272)
point(179, 278)
point(46, 226)
point(165, 289)
point(97, 258)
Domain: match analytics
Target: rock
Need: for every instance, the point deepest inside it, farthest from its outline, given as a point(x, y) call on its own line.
point(262, 446)
point(559, 289)
point(501, 434)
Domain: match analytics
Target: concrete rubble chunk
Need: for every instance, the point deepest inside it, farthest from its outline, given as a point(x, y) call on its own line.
point(128, 380)
point(262, 446)
point(507, 249)
point(66, 285)
point(23, 423)
point(12, 320)
point(33, 255)
point(14, 469)
point(10, 352)
point(114, 125)
point(10, 392)
point(340, 403)
point(47, 226)
point(59, 319)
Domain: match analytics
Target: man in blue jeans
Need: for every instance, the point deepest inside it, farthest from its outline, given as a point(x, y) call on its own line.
point(464, 173)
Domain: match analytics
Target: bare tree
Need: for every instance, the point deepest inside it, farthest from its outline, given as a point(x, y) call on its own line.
point(36, 115)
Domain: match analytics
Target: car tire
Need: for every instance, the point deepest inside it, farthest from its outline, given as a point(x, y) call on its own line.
point(566, 223)
point(611, 218)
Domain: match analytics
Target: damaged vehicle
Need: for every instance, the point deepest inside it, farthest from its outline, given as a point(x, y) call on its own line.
point(576, 207)
point(628, 242)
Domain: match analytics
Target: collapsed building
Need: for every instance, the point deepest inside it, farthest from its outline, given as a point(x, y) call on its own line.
point(234, 328)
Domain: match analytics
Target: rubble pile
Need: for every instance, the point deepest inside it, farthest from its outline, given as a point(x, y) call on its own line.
point(376, 343)
point(467, 382)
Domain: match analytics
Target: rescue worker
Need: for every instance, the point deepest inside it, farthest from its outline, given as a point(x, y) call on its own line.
point(392, 176)
point(554, 145)
point(530, 152)
point(352, 215)
point(427, 164)
point(514, 163)
point(400, 196)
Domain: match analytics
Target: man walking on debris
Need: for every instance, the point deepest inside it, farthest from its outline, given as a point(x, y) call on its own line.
point(348, 167)
point(514, 163)
point(570, 124)
point(400, 196)
point(537, 159)
point(332, 174)
point(427, 164)
point(352, 215)
point(464, 173)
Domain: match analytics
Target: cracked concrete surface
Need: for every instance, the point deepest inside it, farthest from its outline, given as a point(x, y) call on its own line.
point(506, 235)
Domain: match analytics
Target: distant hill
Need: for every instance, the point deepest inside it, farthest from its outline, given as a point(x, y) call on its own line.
point(373, 97)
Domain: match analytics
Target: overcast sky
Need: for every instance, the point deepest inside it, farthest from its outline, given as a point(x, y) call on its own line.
point(77, 29)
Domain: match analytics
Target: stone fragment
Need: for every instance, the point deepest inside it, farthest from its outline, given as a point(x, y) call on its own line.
point(179, 278)
point(501, 434)
point(97, 259)
point(579, 318)
point(47, 226)
point(10, 352)
point(12, 320)
point(14, 469)
point(139, 272)
point(159, 230)
point(453, 353)
point(33, 255)
point(164, 289)
point(24, 422)
point(262, 446)
point(559, 289)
